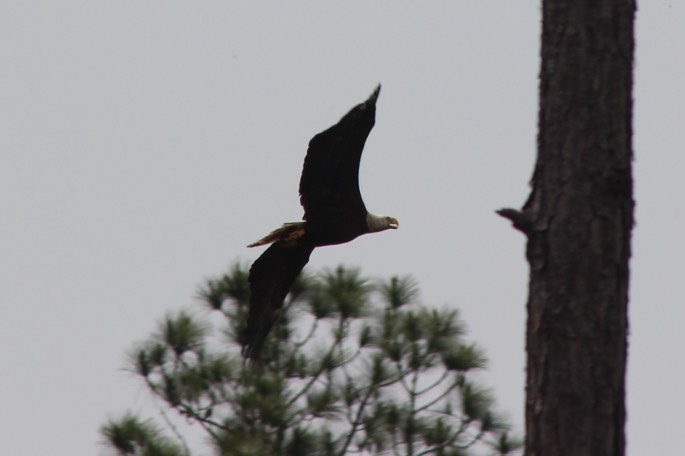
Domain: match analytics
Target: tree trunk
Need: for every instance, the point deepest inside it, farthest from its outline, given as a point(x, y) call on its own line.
point(578, 222)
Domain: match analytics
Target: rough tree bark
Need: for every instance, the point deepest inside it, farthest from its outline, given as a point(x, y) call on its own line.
point(578, 222)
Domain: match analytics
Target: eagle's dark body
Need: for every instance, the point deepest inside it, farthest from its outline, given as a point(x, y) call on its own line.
point(334, 213)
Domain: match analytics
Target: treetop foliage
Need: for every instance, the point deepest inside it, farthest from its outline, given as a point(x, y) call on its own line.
point(352, 366)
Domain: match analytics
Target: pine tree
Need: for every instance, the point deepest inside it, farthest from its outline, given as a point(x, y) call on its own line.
point(350, 367)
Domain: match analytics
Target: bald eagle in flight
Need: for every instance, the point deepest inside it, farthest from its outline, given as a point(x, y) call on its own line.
point(334, 213)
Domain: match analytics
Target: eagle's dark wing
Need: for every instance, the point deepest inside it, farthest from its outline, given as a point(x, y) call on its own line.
point(330, 176)
point(271, 277)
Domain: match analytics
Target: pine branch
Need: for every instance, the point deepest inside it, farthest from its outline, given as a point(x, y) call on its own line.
point(440, 397)
point(357, 421)
point(322, 367)
point(175, 431)
point(434, 384)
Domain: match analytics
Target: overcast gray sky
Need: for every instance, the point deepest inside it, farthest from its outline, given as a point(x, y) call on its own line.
point(144, 144)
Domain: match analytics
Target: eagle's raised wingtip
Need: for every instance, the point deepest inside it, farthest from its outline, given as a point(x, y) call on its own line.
point(374, 95)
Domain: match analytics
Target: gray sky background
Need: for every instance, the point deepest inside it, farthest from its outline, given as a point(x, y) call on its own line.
point(144, 144)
